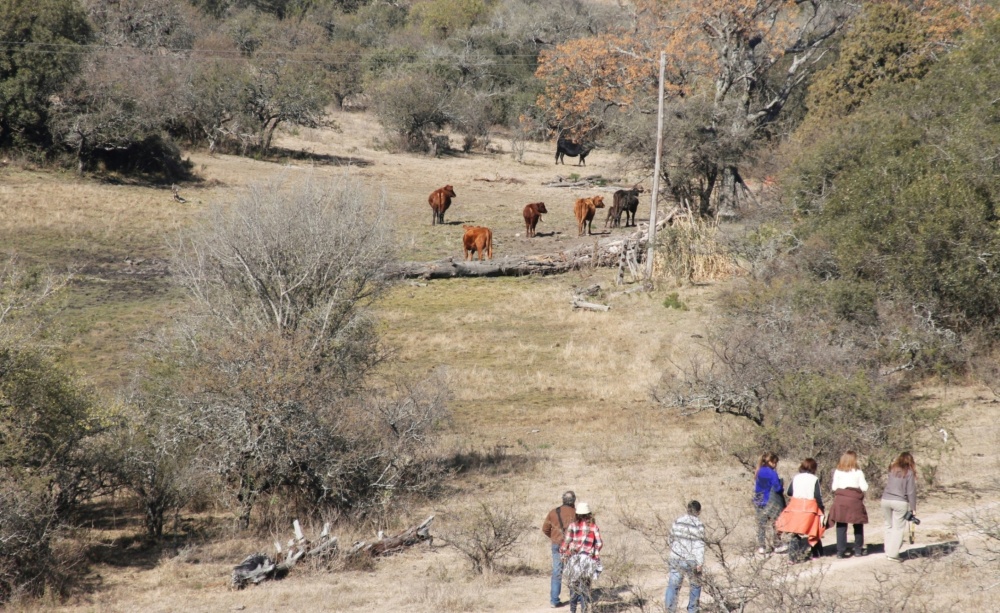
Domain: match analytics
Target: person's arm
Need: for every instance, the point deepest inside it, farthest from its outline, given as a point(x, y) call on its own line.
point(911, 491)
point(547, 525)
point(598, 543)
point(699, 548)
point(818, 496)
point(776, 485)
point(564, 549)
point(864, 482)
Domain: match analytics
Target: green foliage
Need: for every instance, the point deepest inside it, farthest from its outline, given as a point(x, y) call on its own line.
point(413, 105)
point(39, 52)
point(45, 420)
point(902, 198)
point(443, 18)
point(886, 44)
point(674, 302)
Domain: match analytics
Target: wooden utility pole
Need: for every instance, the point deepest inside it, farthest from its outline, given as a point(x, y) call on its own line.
point(651, 244)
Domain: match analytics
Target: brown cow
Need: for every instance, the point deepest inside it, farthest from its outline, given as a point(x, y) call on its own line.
point(532, 215)
point(478, 239)
point(585, 208)
point(440, 200)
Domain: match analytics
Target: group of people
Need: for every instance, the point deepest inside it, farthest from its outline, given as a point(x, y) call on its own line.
point(798, 511)
point(576, 553)
point(803, 514)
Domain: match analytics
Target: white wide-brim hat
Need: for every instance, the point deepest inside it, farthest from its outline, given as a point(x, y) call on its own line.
point(582, 508)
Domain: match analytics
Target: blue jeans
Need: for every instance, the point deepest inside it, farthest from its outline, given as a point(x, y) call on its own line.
point(678, 570)
point(556, 575)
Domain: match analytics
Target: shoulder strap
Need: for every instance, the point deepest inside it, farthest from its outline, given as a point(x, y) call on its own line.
point(562, 528)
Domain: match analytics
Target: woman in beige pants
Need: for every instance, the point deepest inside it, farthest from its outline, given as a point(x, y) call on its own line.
point(899, 496)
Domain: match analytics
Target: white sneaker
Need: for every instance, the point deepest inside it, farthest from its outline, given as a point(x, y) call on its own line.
point(781, 549)
point(761, 551)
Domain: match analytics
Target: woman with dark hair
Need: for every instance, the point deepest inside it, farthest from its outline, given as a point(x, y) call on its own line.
point(803, 516)
point(581, 551)
point(849, 487)
point(769, 501)
point(898, 497)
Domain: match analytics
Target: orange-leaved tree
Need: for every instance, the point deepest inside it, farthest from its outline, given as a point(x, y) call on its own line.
point(725, 54)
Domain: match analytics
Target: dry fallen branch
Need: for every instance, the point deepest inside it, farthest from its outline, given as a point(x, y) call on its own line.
point(499, 179)
point(589, 306)
point(259, 567)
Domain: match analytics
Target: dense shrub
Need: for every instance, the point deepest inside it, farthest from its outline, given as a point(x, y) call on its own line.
point(29, 72)
point(902, 194)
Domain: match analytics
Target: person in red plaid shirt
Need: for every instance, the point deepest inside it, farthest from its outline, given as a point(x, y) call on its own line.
point(581, 550)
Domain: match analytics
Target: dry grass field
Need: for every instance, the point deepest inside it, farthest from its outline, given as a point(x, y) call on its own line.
point(560, 397)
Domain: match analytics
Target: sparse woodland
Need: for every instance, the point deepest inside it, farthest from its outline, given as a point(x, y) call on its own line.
point(181, 378)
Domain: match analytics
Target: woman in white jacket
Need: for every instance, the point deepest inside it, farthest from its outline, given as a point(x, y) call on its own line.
point(849, 487)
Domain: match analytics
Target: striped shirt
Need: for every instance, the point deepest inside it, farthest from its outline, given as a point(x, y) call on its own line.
point(687, 540)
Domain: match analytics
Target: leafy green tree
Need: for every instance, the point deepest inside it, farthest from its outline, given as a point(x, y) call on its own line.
point(902, 193)
point(885, 44)
point(40, 49)
point(442, 18)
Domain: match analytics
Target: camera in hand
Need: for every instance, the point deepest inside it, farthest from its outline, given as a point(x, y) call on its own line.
point(911, 517)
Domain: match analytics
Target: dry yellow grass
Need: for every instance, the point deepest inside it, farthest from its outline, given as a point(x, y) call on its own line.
point(567, 388)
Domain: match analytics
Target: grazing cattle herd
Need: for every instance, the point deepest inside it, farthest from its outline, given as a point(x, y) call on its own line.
point(477, 241)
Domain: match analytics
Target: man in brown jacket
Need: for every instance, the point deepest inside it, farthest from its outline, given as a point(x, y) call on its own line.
point(554, 526)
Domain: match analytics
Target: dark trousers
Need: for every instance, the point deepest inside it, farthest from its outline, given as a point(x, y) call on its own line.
point(799, 549)
point(859, 538)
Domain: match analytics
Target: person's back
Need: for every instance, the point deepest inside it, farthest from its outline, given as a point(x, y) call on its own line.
point(554, 527)
point(687, 556)
point(687, 539)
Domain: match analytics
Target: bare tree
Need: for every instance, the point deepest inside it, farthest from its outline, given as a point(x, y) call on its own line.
point(487, 531)
point(304, 259)
point(281, 346)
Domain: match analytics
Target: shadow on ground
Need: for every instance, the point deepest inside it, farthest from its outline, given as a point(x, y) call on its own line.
point(279, 154)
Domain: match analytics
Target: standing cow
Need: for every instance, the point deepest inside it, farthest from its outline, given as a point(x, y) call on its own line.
point(478, 239)
point(440, 200)
point(565, 147)
point(627, 201)
point(585, 208)
point(532, 215)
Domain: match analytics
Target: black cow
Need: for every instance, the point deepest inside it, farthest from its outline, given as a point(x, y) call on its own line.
point(626, 201)
point(565, 146)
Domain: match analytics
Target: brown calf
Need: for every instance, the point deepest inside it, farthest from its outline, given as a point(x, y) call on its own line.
point(478, 239)
point(440, 200)
point(585, 208)
point(532, 215)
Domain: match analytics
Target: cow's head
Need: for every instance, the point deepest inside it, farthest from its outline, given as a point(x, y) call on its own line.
point(449, 191)
point(598, 202)
point(539, 206)
point(637, 189)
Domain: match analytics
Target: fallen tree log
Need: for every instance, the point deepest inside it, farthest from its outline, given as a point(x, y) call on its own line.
point(259, 567)
point(588, 306)
point(602, 252)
